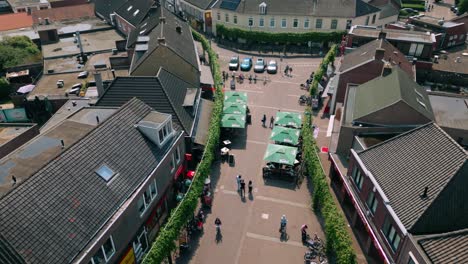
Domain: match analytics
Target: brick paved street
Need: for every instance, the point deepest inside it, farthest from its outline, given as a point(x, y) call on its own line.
point(250, 225)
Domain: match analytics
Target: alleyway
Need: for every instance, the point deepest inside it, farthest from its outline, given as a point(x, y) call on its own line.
point(250, 225)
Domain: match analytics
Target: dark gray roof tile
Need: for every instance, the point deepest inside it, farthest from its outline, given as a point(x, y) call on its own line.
point(446, 248)
point(134, 11)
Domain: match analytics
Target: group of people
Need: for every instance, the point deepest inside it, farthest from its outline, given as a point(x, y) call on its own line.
point(288, 71)
point(272, 121)
point(241, 185)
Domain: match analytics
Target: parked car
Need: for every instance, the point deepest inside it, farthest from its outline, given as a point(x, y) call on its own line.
point(82, 75)
point(77, 85)
point(60, 83)
point(452, 8)
point(410, 11)
point(74, 91)
point(272, 67)
point(246, 64)
point(234, 63)
point(259, 65)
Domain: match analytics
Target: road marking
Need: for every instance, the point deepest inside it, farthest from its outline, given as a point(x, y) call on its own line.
point(282, 201)
point(274, 239)
point(256, 142)
point(271, 107)
point(265, 216)
point(249, 91)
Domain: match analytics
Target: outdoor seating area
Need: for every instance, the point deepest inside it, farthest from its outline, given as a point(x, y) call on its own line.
point(236, 115)
point(284, 157)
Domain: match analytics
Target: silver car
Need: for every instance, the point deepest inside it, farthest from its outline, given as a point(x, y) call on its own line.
point(272, 67)
point(259, 65)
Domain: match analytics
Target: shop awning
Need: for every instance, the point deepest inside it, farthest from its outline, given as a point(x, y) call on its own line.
point(235, 97)
point(235, 108)
point(285, 135)
point(233, 121)
point(205, 77)
point(203, 121)
point(288, 119)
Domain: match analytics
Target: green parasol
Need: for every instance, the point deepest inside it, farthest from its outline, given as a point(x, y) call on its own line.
point(235, 97)
point(280, 154)
point(285, 135)
point(288, 119)
point(233, 121)
point(235, 108)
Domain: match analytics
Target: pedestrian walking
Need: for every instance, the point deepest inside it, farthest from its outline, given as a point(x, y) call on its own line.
point(290, 71)
point(217, 223)
point(250, 187)
point(238, 180)
point(272, 121)
point(286, 70)
point(242, 183)
point(264, 121)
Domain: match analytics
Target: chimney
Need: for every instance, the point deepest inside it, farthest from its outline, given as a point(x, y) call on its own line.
point(99, 85)
point(14, 179)
point(387, 69)
point(382, 35)
point(161, 40)
point(178, 29)
point(113, 73)
point(424, 194)
point(379, 53)
point(47, 22)
point(63, 143)
point(162, 19)
point(97, 119)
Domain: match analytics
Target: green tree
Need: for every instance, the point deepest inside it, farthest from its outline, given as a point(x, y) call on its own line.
point(463, 6)
point(5, 88)
point(17, 50)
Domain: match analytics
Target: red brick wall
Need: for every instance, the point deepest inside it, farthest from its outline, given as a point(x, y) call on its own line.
point(63, 3)
point(358, 75)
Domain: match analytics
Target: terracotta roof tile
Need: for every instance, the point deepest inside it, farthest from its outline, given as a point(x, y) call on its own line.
point(64, 13)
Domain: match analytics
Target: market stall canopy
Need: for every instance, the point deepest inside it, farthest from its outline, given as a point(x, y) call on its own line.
point(285, 135)
point(235, 97)
point(280, 154)
point(235, 108)
point(233, 121)
point(288, 119)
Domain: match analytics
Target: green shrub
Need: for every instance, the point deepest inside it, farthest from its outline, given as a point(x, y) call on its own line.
point(281, 38)
point(165, 241)
point(339, 244)
point(417, 2)
point(418, 7)
point(17, 50)
point(5, 88)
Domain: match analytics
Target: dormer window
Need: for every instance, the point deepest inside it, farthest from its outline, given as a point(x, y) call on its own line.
point(157, 127)
point(262, 8)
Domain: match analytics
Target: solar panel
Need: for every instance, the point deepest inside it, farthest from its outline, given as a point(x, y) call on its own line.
point(230, 4)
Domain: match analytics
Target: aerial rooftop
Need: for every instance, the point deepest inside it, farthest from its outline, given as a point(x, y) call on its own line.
point(393, 34)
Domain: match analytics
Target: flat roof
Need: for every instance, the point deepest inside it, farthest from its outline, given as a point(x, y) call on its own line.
point(450, 64)
point(30, 157)
point(70, 64)
point(450, 111)
point(92, 42)
point(435, 21)
point(11, 131)
point(401, 35)
point(67, 110)
point(15, 21)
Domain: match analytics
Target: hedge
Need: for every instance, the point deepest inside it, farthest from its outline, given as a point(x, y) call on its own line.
point(339, 244)
point(165, 241)
point(281, 38)
point(417, 7)
point(418, 2)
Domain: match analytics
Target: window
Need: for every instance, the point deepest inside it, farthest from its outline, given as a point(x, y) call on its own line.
point(367, 20)
point(262, 8)
point(21, 10)
point(140, 245)
point(306, 23)
point(226, 17)
point(172, 164)
point(105, 172)
point(284, 23)
point(251, 22)
point(261, 22)
point(177, 154)
point(272, 22)
point(411, 260)
point(334, 24)
point(136, 12)
point(421, 102)
point(235, 19)
point(129, 8)
point(357, 177)
point(295, 23)
point(161, 135)
point(390, 233)
point(415, 49)
point(372, 202)
point(349, 23)
point(373, 19)
point(147, 198)
point(218, 16)
point(104, 253)
point(318, 23)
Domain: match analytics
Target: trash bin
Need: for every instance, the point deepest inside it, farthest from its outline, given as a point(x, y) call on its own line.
point(249, 119)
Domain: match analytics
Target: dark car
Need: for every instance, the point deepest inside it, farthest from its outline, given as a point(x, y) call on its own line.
point(246, 64)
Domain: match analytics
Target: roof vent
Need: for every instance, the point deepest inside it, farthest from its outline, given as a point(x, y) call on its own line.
point(458, 59)
point(161, 40)
point(436, 59)
point(382, 35)
point(13, 178)
point(178, 29)
point(440, 22)
point(162, 19)
point(424, 194)
point(63, 143)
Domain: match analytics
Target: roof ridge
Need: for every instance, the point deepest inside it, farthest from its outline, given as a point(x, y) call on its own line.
point(421, 238)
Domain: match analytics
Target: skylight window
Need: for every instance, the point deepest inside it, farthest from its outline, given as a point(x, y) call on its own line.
point(421, 103)
point(129, 8)
point(136, 12)
point(418, 93)
point(105, 172)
